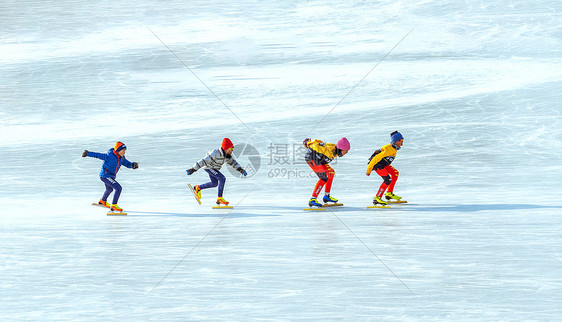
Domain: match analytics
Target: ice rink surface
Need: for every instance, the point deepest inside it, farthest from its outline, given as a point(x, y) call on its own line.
point(474, 87)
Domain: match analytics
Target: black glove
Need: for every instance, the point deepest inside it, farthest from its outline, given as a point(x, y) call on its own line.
point(190, 171)
point(85, 153)
point(243, 172)
point(135, 165)
point(305, 142)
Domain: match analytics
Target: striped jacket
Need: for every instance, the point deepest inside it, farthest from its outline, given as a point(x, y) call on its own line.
point(215, 159)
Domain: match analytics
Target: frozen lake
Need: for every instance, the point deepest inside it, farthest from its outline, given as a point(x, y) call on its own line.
point(475, 89)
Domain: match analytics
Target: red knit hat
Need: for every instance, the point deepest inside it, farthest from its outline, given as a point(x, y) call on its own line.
point(226, 144)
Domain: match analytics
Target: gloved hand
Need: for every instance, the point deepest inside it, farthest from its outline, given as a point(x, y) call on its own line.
point(305, 142)
point(85, 153)
point(190, 171)
point(135, 165)
point(243, 172)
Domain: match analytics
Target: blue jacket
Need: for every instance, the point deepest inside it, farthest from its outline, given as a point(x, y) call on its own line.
point(112, 163)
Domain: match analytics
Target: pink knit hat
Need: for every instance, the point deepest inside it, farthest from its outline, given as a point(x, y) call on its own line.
point(343, 144)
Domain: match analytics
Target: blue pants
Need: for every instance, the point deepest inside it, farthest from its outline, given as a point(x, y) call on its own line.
point(110, 185)
point(217, 179)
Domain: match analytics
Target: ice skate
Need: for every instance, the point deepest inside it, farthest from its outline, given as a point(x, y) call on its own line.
point(221, 201)
point(328, 198)
point(394, 199)
point(314, 203)
point(222, 204)
point(104, 203)
point(330, 201)
point(197, 191)
point(378, 201)
point(391, 196)
point(115, 207)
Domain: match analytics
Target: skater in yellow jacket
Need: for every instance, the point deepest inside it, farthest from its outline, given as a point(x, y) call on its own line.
point(380, 162)
point(318, 155)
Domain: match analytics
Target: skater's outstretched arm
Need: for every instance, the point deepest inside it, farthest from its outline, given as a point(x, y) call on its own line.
point(101, 156)
point(129, 164)
point(233, 163)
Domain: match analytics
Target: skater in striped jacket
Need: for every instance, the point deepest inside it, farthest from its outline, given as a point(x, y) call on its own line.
point(380, 162)
point(212, 163)
point(112, 161)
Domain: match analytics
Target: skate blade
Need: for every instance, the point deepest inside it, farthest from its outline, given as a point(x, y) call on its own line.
point(332, 205)
point(194, 194)
point(375, 207)
point(116, 213)
point(314, 209)
point(223, 207)
point(98, 205)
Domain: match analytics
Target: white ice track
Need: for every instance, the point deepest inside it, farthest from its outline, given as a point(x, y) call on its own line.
point(475, 88)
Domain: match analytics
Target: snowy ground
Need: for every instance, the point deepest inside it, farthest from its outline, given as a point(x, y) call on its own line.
point(474, 87)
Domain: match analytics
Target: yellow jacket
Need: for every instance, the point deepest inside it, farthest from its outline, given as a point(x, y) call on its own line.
point(382, 159)
point(322, 153)
point(327, 149)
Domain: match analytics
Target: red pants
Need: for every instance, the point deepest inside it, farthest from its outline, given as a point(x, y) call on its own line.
point(389, 175)
point(325, 174)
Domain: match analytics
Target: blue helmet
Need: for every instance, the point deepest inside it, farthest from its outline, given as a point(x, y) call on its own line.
point(395, 137)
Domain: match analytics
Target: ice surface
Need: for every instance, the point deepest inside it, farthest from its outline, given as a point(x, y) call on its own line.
point(475, 88)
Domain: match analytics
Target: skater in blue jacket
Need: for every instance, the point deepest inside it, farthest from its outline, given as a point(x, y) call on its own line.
point(113, 160)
